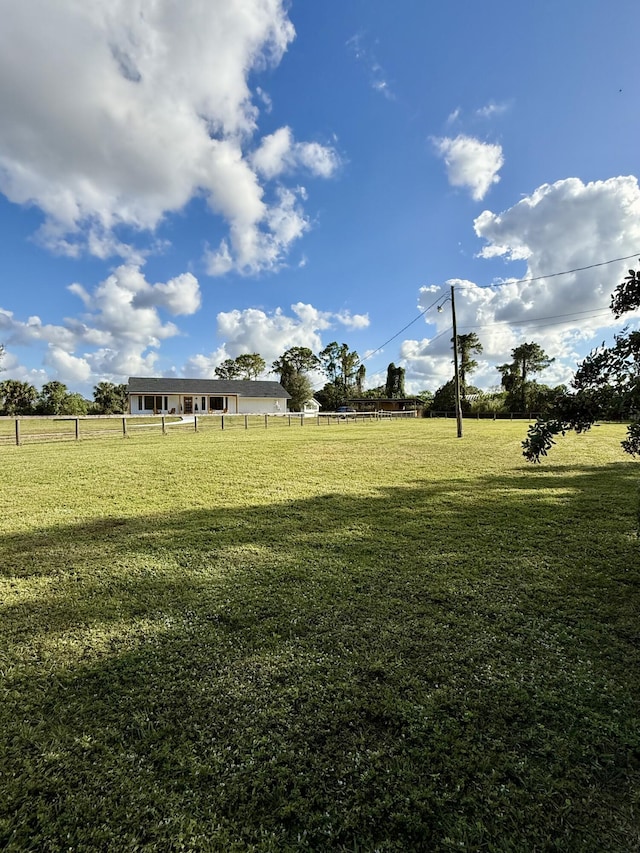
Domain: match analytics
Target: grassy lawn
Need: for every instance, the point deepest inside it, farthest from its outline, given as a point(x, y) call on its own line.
point(355, 637)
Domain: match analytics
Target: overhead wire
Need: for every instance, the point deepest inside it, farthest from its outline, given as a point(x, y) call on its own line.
point(443, 297)
point(551, 274)
point(404, 328)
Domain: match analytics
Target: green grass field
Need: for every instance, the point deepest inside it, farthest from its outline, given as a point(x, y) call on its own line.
point(356, 637)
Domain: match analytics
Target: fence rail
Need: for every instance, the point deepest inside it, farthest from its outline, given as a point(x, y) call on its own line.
point(492, 416)
point(27, 429)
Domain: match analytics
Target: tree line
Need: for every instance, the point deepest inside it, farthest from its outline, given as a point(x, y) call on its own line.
point(518, 391)
point(22, 398)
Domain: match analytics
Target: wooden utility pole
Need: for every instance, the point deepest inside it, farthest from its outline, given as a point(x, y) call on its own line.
point(455, 365)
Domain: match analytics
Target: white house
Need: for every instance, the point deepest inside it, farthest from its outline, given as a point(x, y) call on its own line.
point(168, 396)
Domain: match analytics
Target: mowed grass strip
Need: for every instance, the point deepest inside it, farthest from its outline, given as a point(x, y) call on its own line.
point(352, 637)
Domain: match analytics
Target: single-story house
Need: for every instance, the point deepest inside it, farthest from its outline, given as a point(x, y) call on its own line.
point(168, 396)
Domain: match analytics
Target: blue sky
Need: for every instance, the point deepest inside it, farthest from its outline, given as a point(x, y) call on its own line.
point(181, 183)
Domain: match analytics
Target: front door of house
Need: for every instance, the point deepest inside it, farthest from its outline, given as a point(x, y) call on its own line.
point(188, 405)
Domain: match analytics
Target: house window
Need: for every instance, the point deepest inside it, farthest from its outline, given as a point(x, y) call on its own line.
point(216, 403)
point(204, 404)
point(140, 403)
point(166, 402)
point(152, 404)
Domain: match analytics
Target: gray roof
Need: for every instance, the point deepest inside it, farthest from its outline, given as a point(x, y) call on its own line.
point(215, 387)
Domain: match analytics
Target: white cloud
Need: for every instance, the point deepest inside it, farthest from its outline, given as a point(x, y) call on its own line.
point(271, 158)
point(66, 367)
point(271, 333)
point(13, 369)
point(377, 75)
point(125, 305)
point(453, 117)
point(559, 227)
point(470, 163)
point(352, 321)
point(116, 113)
point(278, 153)
point(180, 295)
point(203, 366)
point(492, 109)
point(119, 332)
point(253, 249)
point(253, 330)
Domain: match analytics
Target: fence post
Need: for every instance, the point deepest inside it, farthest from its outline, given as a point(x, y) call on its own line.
point(246, 421)
point(164, 429)
point(18, 432)
point(77, 428)
point(266, 421)
point(195, 423)
point(221, 421)
point(302, 419)
point(124, 427)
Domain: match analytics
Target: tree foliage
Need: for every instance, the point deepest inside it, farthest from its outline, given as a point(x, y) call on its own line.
point(17, 398)
point(626, 296)
point(528, 359)
point(52, 398)
point(394, 387)
point(55, 399)
point(377, 393)
point(251, 365)
point(298, 359)
point(342, 367)
point(293, 367)
point(300, 389)
point(444, 399)
point(229, 369)
point(467, 344)
point(75, 404)
point(606, 373)
point(110, 399)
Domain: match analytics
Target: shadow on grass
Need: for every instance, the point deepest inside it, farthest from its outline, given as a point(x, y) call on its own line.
point(437, 667)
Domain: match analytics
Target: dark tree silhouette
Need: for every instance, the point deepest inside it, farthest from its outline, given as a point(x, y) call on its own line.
point(614, 368)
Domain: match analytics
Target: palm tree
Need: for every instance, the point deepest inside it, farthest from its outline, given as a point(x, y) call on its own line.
point(466, 345)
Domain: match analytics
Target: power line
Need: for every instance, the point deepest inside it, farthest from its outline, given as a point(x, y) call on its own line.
point(404, 328)
point(517, 323)
point(552, 274)
point(503, 284)
point(597, 312)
